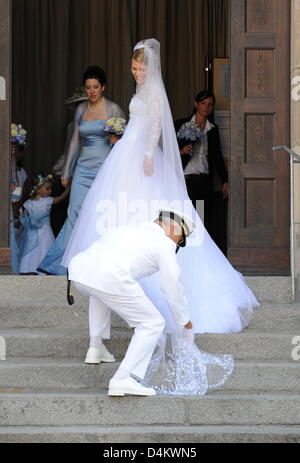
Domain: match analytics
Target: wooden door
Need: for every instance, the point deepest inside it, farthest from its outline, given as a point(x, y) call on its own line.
point(259, 210)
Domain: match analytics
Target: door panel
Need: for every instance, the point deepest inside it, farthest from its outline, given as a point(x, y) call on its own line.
point(259, 211)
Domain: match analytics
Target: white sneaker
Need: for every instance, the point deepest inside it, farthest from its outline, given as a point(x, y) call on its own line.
point(95, 356)
point(128, 386)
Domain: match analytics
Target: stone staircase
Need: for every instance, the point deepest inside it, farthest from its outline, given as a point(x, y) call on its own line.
point(47, 393)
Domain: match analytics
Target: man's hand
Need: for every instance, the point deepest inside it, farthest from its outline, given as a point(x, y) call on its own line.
point(188, 326)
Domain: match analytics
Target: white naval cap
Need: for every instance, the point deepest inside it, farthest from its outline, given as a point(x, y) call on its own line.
point(187, 223)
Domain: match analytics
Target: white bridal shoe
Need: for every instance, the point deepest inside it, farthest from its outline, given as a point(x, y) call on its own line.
point(97, 355)
point(128, 386)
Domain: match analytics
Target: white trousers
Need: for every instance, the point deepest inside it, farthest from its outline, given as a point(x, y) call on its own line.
point(138, 311)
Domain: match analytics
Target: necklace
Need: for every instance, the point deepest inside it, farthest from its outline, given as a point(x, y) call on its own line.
point(92, 110)
point(97, 108)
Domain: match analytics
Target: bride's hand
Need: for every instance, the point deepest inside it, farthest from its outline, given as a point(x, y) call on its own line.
point(148, 167)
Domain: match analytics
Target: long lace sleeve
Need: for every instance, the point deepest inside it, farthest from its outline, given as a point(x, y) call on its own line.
point(74, 143)
point(154, 127)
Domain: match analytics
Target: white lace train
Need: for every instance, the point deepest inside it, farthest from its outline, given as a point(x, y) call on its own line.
point(179, 367)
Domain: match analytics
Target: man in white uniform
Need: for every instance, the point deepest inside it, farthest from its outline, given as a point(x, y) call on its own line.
point(108, 272)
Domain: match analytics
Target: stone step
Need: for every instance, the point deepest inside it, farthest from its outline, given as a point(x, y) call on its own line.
point(247, 376)
point(271, 289)
point(97, 409)
point(65, 374)
point(268, 322)
point(53, 314)
point(250, 344)
point(21, 291)
point(150, 434)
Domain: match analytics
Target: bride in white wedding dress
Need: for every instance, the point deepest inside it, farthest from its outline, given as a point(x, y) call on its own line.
point(144, 171)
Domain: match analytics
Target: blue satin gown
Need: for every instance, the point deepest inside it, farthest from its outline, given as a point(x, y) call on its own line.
point(94, 150)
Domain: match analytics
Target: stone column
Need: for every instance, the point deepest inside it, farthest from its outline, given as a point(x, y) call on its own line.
point(295, 132)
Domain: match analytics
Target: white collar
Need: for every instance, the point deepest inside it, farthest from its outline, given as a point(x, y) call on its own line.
point(158, 228)
point(208, 125)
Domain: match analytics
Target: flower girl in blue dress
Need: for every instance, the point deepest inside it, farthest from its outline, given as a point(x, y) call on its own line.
point(37, 236)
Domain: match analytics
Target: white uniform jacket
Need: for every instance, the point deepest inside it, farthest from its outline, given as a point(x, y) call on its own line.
point(124, 255)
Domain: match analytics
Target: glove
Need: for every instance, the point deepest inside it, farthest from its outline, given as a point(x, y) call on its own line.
point(148, 166)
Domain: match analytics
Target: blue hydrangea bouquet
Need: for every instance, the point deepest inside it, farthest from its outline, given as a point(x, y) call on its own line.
point(115, 125)
point(190, 131)
point(18, 134)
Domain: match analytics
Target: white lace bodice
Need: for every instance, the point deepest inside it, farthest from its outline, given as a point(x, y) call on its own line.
point(137, 107)
point(148, 115)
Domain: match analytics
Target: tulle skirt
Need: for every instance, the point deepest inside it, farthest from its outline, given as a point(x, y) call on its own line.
point(219, 299)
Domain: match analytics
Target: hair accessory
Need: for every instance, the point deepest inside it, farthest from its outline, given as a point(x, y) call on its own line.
point(78, 95)
point(39, 180)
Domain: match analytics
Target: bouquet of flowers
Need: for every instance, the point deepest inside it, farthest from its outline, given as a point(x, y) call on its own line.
point(115, 125)
point(18, 134)
point(190, 131)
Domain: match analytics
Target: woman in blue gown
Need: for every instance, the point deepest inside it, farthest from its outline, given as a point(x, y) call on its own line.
point(94, 147)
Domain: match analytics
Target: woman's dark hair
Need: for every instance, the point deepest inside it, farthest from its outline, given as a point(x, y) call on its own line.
point(202, 96)
point(94, 72)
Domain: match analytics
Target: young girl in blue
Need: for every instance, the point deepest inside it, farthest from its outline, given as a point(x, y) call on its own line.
point(37, 236)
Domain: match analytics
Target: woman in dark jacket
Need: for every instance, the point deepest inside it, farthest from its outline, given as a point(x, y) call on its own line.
point(201, 159)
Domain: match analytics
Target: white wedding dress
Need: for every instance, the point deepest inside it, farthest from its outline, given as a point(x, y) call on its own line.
point(219, 299)
point(123, 192)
